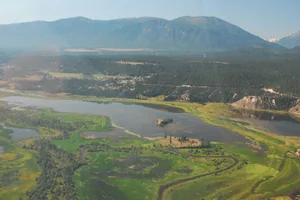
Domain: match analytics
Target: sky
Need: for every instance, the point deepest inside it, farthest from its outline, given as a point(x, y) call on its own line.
point(265, 18)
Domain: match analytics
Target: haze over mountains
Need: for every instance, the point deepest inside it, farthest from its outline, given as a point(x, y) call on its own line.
point(273, 40)
point(192, 33)
point(290, 41)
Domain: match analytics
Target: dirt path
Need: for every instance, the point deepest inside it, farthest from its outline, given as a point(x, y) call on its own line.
point(163, 188)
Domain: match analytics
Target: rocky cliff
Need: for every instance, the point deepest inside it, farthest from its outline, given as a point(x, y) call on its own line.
point(270, 101)
point(295, 110)
point(250, 102)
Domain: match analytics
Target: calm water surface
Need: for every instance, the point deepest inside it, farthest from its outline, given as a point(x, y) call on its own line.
point(282, 124)
point(21, 133)
point(137, 118)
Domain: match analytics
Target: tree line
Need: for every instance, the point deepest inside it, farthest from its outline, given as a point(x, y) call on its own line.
point(203, 80)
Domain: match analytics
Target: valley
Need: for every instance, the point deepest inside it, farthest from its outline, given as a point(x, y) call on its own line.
point(147, 100)
point(121, 166)
point(234, 127)
point(89, 125)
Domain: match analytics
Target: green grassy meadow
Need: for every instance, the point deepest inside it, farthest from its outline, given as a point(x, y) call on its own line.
point(18, 169)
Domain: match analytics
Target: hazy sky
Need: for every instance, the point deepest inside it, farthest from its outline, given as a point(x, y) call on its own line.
point(265, 18)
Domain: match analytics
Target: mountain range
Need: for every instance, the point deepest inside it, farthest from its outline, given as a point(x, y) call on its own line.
point(192, 33)
point(290, 41)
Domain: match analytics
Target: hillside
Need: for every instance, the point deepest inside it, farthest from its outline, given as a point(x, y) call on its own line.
point(193, 33)
point(290, 41)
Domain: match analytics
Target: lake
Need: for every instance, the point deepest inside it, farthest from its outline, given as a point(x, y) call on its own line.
point(137, 118)
point(282, 124)
point(21, 133)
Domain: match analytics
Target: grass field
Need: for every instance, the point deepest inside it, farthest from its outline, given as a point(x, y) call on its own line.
point(289, 174)
point(18, 165)
point(225, 186)
point(267, 165)
point(134, 176)
point(239, 183)
point(18, 169)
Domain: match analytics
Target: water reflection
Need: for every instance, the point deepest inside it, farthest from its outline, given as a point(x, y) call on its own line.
point(282, 124)
point(21, 133)
point(139, 119)
point(261, 115)
point(149, 105)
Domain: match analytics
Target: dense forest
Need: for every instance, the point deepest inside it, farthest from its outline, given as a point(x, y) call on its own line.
point(56, 177)
point(189, 78)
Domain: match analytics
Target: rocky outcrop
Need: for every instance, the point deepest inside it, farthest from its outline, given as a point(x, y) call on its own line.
point(267, 101)
point(297, 153)
point(295, 110)
point(249, 102)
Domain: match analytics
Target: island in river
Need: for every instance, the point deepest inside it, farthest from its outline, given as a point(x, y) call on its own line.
point(163, 122)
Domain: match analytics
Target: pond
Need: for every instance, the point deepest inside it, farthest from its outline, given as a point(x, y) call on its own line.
point(21, 133)
point(137, 118)
point(282, 124)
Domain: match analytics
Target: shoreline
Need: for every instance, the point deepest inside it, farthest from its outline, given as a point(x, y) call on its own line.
point(94, 99)
point(208, 113)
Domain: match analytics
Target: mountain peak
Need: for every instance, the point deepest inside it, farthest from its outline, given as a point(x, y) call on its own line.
point(79, 18)
point(297, 34)
point(290, 41)
point(191, 17)
point(297, 47)
point(192, 20)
